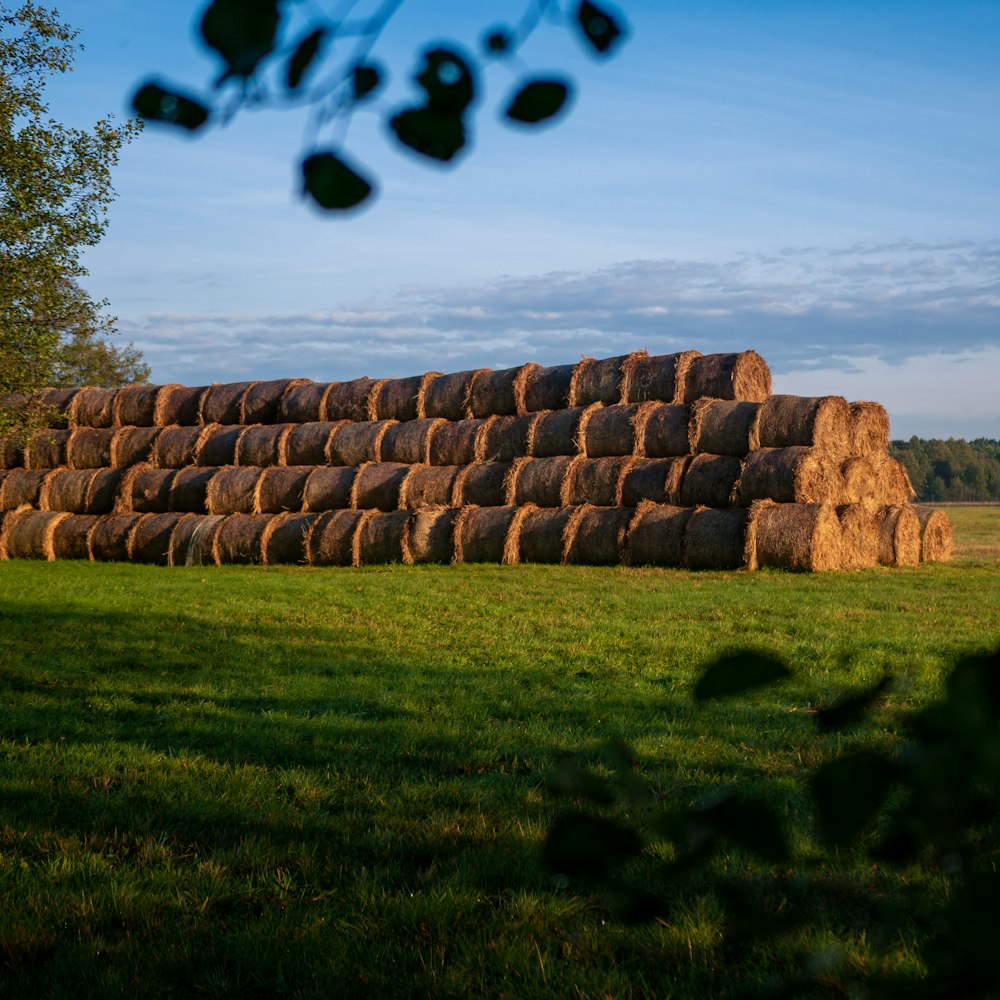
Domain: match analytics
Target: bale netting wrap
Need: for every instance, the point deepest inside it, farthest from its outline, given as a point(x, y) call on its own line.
point(803, 537)
point(407, 442)
point(453, 442)
point(537, 480)
point(239, 540)
point(145, 490)
point(428, 486)
point(193, 540)
point(261, 445)
point(178, 404)
point(223, 403)
point(262, 401)
point(656, 535)
point(217, 445)
point(46, 449)
point(608, 430)
point(892, 482)
point(105, 487)
point(656, 480)
point(556, 432)
point(176, 447)
point(401, 398)
point(328, 489)
point(936, 535)
point(505, 438)
point(108, 539)
point(233, 491)
point(306, 444)
point(596, 536)
point(430, 535)
point(89, 448)
point(538, 535)
point(662, 430)
point(448, 396)
point(281, 489)
point(898, 536)
point(710, 481)
point(377, 486)
point(481, 533)
point(21, 487)
point(303, 403)
point(858, 477)
point(742, 376)
point(66, 490)
point(93, 407)
point(285, 539)
point(715, 538)
point(189, 489)
point(660, 377)
point(594, 481)
point(481, 484)
point(149, 541)
point(381, 537)
point(130, 445)
point(811, 421)
point(859, 539)
point(28, 534)
point(598, 381)
point(354, 443)
point(331, 540)
point(869, 428)
point(347, 400)
point(723, 426)
point(789, 475)
point(58, 403)
point(135, 405)
point(500, 393)
point(69, 540)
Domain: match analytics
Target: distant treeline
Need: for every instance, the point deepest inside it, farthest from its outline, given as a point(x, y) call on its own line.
point(951, 470)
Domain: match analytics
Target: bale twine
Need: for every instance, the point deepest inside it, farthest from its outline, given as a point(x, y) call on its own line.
point(233, 491)
point(556, 432)
point(743, 376)
point(858, 477)
point(608, 430)
point(239, 540)
point(328, 488)
point(548, 388)
point(898, 535)
point(377, 486)
point(69, 540)
point(892, 482)
point(66, 490)
point(176, 447)
point(223, 403)
point(149, 541)
point(662, 430)
point(723, 426)
point(789, 475)
point(358, 442)
point(407, 442)
point(130, 445)
point(656, 480)
point(858, 536)
point(89, 448)
point(660, 377)
point(105, 488)
point(331, 540)
point(93, 407)
point(710, 481)
point(109, 537)
point(135, 405)
point(715, 538)
point(28, 534)
point(179, 404)
point(594, 481)
point(347, 400)
point(656, 535)
point(58, 403)
point(481, 484)
point(146, 490)
point(284, 541)
point(261, 445)
point(21, 487)
point(430, 535)
point(193, 540)
point(936, 536)
point(217, 445)
point(281, 489)
point(804, 537)
point(448, 396)
point(453, 442)
point(189, 489)
point(46, 449)
point(809, 421)
point(596, 536)
point(599, 381)
point(481, 533)
point(537, 480)
point(869, 428)
point(428, 486)
point(540, 535)
point(381, 537)
point(500, 394)
point(303, 403)
point(262, 401)
point(401, 398)
point(504, 438)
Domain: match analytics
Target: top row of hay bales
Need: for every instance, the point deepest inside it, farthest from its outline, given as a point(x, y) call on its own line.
point(632, 378)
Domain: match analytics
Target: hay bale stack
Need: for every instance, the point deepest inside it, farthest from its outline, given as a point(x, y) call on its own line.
point(537, 481)
point(189, 489)
point(899, 536)
point(504, 438)
point(135, 405)
point(795, 474)
point(281, 489)
point(46, 449)
point(377, 486)
point(537, 535)
point(239, 539)
point(802, 537)
point(66, 490)
point(131, 445)
point(108, 539)
point(715, 538)
point(742, 376)
point(193, 540)
point(286, 537)
point(400, 398)
point(710, 481)
point(430, 535)
point(261, 445)
point(481, 533)
point(482, 485)
point(149, 541)
point(223, 403)
point(105, 487)
point(407, 442)
point(652, 479)
point(57, 402)
point(449, 396)
point(328, 489)
point(936, 536)
point(608, 430)
point(428, 486)
point(348, 400)
point(218, 443)
point(233, 491)
point(595, 481)
point(381, 537)
point(859, 536)
point(179, 404)
point(89, 448)
point(596, 536)
point(303, 403)
point(262, 401)
point(548, 388)
point(11, 452)
point(453, 442)
point(500, 393)
point(28, 534)
point(858, 476)
point(69, 540)
point(662, 430)
point(331, 540)
point(174, 447)
point(723, 426)
point(656, 535)
point(869, 428)
point(21, 488)
point(556, 432)
point(93, 407)
point(808, 421)
point(307, 444)
point(354, 443)
point(892, 482)
point(660, 377)
point(145, 489)
point(599, 381)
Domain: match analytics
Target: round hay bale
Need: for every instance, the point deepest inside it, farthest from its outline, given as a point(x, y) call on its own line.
point(715, 538)
point(146, 490)
point(722, 426)
point(869, 428)
point(179, 404)
point(609, 430)
point(193, 540)
point(135, 405)
point(93, 407)
point(505, 438)
point(556, 432)
point(481, 534)
point(218, 445)
point(105, 487)
point(537, 481)
point(11, 453)
point(262, 401)
point(174, 447)
point(858, 477)
point(401, 398)
point(858, 536)
point(108, 540)
point(281, 489)
point(428, 486)
point(28, 534)
point(46, 449)
point(898, 535)
point(189, 489)
point(233, 491)
point(656, 480)
point(303, 403)
point(239, 540)
point(347, 400)
point(381, 537)
point(130, 445)
point(89, 448)
point(936, 536)
point(66, 490)
point(599, 381)
point(357, 443)
point(285, 539)
point(656, 535)
point(430, 535)
point(482, 485)
point(453, 442)
point(660, 377)
point(594, 481)
point(149, 541)
point(260, 445)
point(501, 393)
point(892, 482)
point(541, 534)
point(377, 486)
point(328, 488)
point(331, 540)
point(807, 421)
point(662, 430)
point(803, 537)
point(548, 388)
point(223, 403)
point(596, 536)
point(69, 540)
point(710, 481)
point(58, 403)
point(21, 487)
point(447, 396)
point(789, 475)
point(407, 442)
point(306, 444)
point(743, 376)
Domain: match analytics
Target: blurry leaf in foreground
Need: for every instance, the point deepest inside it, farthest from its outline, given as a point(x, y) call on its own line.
point(435, 134)
point(745, 823)
point(587, 845)
point(156, 103)
point(243, 32)
point(447, 80)
point(332, 184)
point(538, 101)
point(849, 791)
point(738, 673)
point(850, 708)
point(303, 57)
point(366, 78)
point(598, 26)
point(568, 778)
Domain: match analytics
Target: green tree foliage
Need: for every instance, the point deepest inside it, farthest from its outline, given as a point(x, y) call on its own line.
point(287, 54)
point(955, 470)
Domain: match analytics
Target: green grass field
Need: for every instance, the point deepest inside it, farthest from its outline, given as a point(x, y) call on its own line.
point(323, 782)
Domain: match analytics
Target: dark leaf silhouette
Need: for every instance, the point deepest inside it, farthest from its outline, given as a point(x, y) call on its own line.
point(538, 101)
point(848, 709)
point(332, 184)
point(436, 134)
point(634, 906)
point(738, 673)
point(158, 104)
point(303, 57)
point(578, 844)
point(366, 78)
point(569, 779)
point(498, 41)
point(849, 791)
point(447, 80)
point(744, 822)
point(599, 28)
point(241, 31)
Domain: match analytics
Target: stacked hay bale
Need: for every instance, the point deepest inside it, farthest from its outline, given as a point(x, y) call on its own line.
point(683, 460)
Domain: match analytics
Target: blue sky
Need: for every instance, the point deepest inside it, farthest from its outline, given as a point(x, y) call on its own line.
point(817, 181)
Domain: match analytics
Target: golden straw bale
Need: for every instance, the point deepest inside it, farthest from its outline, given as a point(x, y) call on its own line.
point(281, 489)
point(179, 404)
point(482, 484)
point(594, 481)
point(715, 538)
point(899, 535)
point(804, 537)
point(936, 536)
point(381, 537)
point(656, 535)
point(108, 539)
point(239, 540)
point(453, 442)
point(27, 534)
point(596, 536)
point(660, 377)
point(377, 485)
point(548, 388)
point(174, 447)
point(233, 490)
point(858, 476)
point(650, 479)
point(503, 438)
point(46, 449)
point(407, 442)
point(93, 407)
point(809, 421)
point(430, 535)
point(555, 432)
point(500, 394)
point(329, 488)
point(859, 536)
point(892, 482)
point(598, 381)
point(135, 405)
point(303, 403)
point(447, 396)
point(69, 540)
point(260, 445)
point(189, 489)
point(262, 401)
point(306, 444)
point(89, 448)
point(710, 481)
point(609, 430)
point(66, 490)
point(789, 475)
point(331, 540)
point(284, 541)
point(400, 398)
point(481, 533)
point(223, 403)
point(354, 443)
point(192, 542)
point(661, 430)
point(347, 400)
point(21, 487)
point(58, 403)
point(537, 480)
point(541, 534)
point(217, 445)
point(130, 445)
point(428, 486)
point(722, 426)
point(869, 428)
point(149, 541)
point(743, 376)
point(102, 497)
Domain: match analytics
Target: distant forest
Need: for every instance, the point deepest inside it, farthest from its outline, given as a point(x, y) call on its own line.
point(952, 469)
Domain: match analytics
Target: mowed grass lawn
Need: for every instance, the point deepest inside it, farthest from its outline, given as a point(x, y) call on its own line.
point(323, 782)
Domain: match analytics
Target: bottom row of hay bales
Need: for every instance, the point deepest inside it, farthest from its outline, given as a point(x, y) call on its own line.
point(803, 537)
